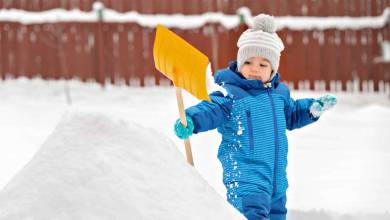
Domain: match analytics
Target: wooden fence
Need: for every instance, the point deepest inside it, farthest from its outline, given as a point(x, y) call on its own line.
point(123, 51)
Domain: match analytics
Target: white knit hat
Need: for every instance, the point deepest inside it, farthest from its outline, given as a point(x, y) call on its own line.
point(260, 40)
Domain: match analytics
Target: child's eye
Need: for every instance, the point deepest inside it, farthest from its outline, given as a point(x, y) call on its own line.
point(263, 65)
point(247, 62)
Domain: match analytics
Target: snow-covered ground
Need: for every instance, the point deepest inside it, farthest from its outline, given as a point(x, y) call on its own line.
point(336, 166)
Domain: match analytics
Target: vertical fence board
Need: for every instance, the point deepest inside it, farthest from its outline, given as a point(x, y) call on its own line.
point(283, 58)
point(82, 54)
point(35, 48)
point(313, 57)
point(53, 50)
point(130, 62)
point(138, 54)
point(123, 58)
point(328, 65)
point(115, 72)
point(6, 48)
point(2, 52)
point(376, 69)
point(28, 57)
point(150, 71)
point(370, 55)
point(108, 52)
point(296, 58)
point(224, 45)
point(12, 53)
point(363, 57)
point(70, 48)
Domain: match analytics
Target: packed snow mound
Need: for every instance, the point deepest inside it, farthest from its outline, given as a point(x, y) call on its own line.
point(95, 167)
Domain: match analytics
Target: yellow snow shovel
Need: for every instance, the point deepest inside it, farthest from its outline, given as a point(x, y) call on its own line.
point(185, 66)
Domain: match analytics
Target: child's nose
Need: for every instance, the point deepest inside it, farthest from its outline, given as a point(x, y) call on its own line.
point(254, 69)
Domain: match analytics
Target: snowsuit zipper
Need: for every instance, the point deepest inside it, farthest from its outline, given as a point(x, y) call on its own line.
point(250, 128)
point(276, 140)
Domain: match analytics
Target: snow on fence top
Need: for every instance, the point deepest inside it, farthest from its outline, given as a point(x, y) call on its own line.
point(95, 166)
point(191, 21)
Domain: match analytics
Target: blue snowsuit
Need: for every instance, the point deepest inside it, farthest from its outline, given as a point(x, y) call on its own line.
point(252, 119)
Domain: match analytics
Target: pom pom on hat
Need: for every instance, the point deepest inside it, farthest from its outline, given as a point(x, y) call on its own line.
point(265, 23)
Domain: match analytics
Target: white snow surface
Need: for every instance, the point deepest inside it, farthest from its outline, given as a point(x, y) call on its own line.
point(338, 167)
point(98, 167)
point(192, 21)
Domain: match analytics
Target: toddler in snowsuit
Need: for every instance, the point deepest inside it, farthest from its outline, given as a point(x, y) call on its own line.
point(252, 119)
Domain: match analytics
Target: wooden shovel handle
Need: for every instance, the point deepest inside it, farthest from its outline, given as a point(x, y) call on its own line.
point(183, 120)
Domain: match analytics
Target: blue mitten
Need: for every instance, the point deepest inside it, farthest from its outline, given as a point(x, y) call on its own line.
point(184, 132)
point(321, 104)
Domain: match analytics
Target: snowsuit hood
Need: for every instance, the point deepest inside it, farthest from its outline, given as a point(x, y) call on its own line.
point(232, 77)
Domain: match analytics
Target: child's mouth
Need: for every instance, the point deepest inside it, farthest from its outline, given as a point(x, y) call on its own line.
point(254, 77)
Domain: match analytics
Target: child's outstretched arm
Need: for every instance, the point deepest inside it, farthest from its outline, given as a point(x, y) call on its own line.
point(302, 112)
point(204, 116)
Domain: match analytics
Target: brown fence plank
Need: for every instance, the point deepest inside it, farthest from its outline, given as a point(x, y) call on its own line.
point(376, 53)
point(203, 42)
point(313, 56)
point(26, 56)
point(223, 47)
point(12, 53)
point(150, 60)
point(108, 52)
point(328, 53)
point(83, 69)
point(35, 55)
point(44, 51)
point(70, 51)
point(56, 34)
point(138, 57)
point(116, 72)
point(370, 55)
point(7, 48)
point(296, 62)
point(339, 56)
point(4, 52)
point(355, 55)
point(362, 58)
point(283, 58)
point(346, 66)
point(122, 60)
point(131, 52)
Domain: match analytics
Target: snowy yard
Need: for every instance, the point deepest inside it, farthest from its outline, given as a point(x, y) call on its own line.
point(338, 165)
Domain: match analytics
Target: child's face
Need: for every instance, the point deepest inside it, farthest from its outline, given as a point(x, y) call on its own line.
point(257, 68)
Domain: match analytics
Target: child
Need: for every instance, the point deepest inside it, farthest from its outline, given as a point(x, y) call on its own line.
point(252, 119)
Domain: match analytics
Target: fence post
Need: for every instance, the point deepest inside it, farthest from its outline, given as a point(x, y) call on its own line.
point(98, 7)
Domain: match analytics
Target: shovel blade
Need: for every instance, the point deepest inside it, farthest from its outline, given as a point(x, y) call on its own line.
point(180, 62)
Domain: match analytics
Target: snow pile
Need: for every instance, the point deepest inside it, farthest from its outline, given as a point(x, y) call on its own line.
point(96, 167)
